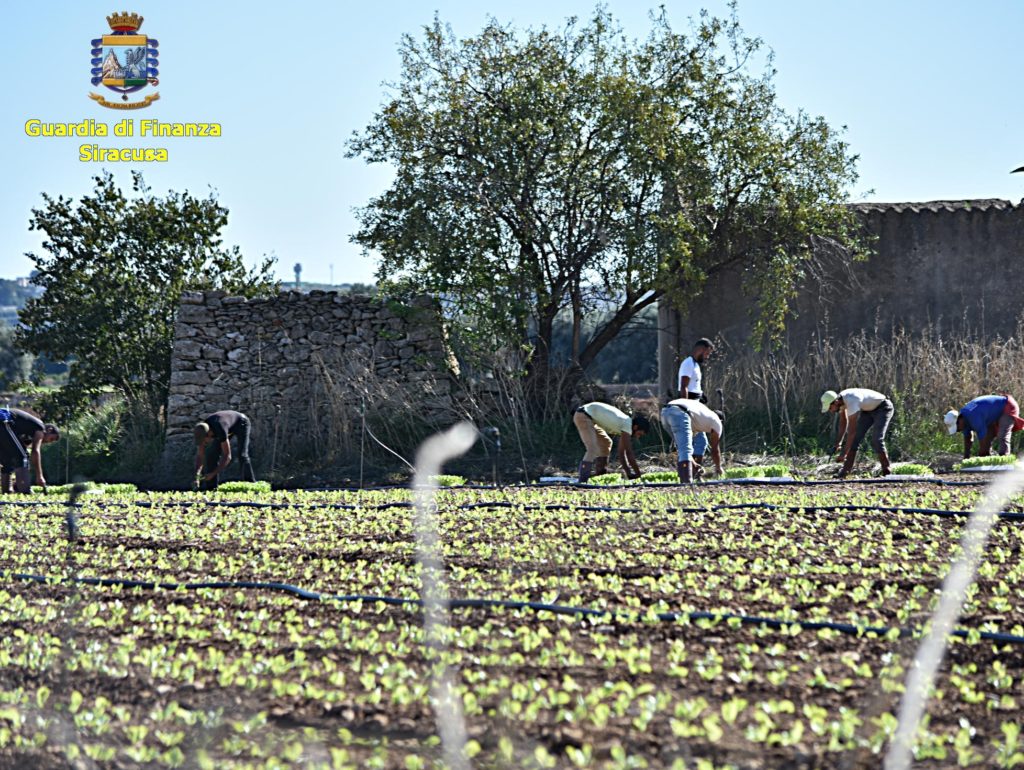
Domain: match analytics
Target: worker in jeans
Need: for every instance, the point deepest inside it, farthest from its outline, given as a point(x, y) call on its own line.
point(691, 386)
point(213, 447)
point(685, 418)
point(990, 418)
point(860, 410)
point(597, 423)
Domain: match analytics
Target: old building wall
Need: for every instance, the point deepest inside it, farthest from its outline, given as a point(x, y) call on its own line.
point(949, 265)
point(302, 367)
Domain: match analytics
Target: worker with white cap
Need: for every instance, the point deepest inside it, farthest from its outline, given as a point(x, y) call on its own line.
point(991, 417)
point(859, 410)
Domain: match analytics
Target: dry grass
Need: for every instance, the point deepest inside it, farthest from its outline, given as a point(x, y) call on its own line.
point(774, 397)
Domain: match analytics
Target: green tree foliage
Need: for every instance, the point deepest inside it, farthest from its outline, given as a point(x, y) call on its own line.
point(112, 270)
point(15, 366)
point(548, 170)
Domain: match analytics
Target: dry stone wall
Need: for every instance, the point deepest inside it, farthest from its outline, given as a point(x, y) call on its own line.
point(303, 367)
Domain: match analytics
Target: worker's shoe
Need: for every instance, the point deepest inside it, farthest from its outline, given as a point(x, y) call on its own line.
point(585, 470)
point(883, 458)
point(685, 471)
point(600, 466)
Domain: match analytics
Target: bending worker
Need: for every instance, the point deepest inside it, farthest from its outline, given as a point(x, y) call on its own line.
point(13, 458)
point(31, 433)
point(685, 417)
point(213, 446)
point(859, 409)
point(597, 423)
point(691, 386)
point(990, 418)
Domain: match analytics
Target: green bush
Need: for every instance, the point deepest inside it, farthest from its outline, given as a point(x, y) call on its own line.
point(910, 469)
point(981, 462)
point(245, 487)
point(104, 441)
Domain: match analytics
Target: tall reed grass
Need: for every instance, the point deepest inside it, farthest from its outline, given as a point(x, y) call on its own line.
point(772, 398)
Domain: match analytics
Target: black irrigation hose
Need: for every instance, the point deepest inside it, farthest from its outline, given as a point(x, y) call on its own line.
point(781, 483)
point(507, 604)
point(1006, 515)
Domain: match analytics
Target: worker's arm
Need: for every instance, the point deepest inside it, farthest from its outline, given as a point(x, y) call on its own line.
point(967, 444)
point(37, 457)
point(627, 456)
point(225, 459)
point(850, 432)
point(684, 383)
point(840, 436)
point(985, 442)
point(716, 454)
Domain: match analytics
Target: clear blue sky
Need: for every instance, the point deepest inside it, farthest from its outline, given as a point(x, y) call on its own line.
point(929, 92)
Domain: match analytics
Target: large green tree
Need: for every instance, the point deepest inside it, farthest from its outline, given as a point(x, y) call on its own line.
point(113, 267)
point(559, 170)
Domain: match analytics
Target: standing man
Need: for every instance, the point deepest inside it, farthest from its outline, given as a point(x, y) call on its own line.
point(684, 417)
point(988, 417)
point(859, 409)
point(597, 423)
point(213, 446)
point(31, 433)
point(690, 386)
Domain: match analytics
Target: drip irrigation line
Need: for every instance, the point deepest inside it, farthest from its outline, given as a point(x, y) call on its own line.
point(486, 505)
point(779, 483)
point(508, 604)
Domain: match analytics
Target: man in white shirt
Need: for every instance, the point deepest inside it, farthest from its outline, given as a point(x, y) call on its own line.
point(690, 373)
point(690, 386)
point(685, 417)
point(859, 410)
point(597, 423)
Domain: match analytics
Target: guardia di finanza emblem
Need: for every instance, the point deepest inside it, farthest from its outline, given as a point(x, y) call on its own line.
point(125, 62)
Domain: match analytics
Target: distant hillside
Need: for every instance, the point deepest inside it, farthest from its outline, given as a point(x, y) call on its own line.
point(14, 292)
point(343, 288)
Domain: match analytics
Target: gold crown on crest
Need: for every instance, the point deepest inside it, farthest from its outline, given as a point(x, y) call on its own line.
point(124, 21)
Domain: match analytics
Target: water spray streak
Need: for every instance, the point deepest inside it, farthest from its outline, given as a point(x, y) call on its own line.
point(932, 649)
point(431, 457)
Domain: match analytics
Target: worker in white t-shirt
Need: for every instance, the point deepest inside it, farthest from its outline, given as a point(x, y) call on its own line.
point(859, 410)
point(685, 417)
point(598, 424)
point(690, 386)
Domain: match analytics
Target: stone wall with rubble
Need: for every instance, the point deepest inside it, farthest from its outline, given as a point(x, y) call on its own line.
point(303, 367)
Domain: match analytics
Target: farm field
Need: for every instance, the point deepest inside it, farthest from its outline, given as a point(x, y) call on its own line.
point(120, 676)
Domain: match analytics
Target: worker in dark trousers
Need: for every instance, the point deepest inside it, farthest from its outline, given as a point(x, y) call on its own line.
point(13, 457)
point(213, 447)
point(31, 433)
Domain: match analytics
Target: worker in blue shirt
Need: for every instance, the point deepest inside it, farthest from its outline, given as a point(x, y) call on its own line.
point(990, 417)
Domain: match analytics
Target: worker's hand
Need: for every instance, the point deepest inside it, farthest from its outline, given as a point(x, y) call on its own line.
point(41, 482)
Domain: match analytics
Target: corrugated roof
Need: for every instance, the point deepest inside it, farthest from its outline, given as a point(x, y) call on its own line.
point(977, 204)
